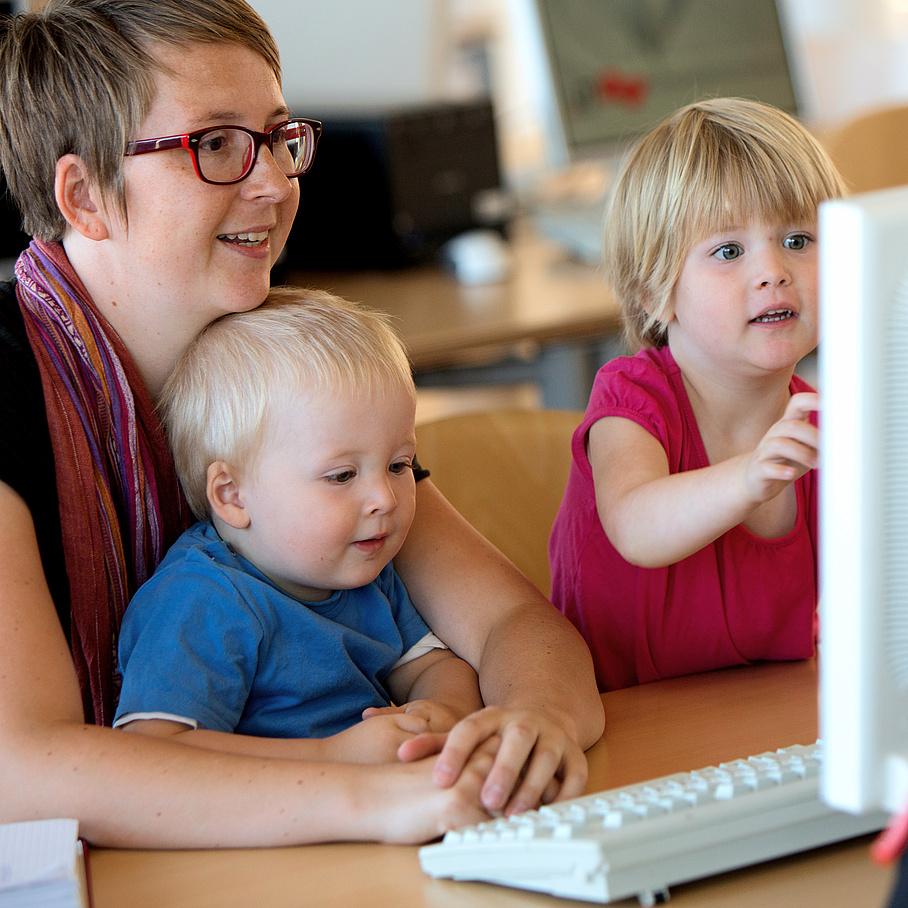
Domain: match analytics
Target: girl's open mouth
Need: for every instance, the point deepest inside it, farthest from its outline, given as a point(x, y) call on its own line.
point(774, 315)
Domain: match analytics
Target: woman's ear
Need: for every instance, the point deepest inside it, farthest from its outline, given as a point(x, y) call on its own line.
point(224, 495)
point(78, 199)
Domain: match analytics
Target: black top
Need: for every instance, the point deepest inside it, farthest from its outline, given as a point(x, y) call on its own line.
point(26, 453)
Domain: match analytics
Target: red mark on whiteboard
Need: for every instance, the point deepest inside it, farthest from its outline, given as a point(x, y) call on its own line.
point(615, 87)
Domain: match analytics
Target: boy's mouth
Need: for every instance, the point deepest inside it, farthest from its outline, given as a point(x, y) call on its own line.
point(773, 315)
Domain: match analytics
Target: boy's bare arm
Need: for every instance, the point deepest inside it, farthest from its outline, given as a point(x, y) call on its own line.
point(438, 677)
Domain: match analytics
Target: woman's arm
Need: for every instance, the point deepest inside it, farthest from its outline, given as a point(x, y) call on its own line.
point(535, 671)
point(136, 791)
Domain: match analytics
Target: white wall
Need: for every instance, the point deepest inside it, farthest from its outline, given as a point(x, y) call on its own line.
point(342, 53)
point(850, 55)
point(855, 53)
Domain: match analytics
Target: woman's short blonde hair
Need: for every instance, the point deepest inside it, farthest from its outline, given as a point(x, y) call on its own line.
point(697, 173)
point(233, 385)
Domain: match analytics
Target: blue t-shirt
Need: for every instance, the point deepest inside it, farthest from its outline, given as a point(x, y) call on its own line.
point(210, 638)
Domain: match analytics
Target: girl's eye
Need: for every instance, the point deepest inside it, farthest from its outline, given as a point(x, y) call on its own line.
point(343, 477)
point(400, 467)
point(797, 242)
point(728, 252)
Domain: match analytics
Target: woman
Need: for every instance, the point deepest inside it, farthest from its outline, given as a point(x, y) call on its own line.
point(139, 253)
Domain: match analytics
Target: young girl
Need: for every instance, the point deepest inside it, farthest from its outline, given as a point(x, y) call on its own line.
point(686, 540)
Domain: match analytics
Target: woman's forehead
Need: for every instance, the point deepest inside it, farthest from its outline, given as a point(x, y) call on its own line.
point(204, 84)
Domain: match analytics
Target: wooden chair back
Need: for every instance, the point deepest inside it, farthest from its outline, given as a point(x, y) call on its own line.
point(871, 151)
point(505, 471)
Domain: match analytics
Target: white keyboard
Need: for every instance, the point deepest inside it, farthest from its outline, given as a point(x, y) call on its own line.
point(641, 839)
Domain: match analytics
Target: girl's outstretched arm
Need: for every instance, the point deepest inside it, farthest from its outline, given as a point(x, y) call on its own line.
point(654, 518)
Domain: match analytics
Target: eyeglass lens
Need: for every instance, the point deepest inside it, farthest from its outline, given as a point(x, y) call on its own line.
point(227, 154)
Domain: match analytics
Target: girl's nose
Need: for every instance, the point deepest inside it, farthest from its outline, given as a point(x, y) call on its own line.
point(773, 270)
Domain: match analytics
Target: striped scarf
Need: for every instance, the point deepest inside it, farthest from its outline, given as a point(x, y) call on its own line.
point(120, 501)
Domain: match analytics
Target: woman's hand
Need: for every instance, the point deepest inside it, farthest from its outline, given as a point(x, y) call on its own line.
point(536, 762)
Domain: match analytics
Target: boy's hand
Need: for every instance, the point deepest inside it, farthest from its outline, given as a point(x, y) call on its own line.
point(437, 717)
point(787, 451)
point(377, 738)
point(537, 761)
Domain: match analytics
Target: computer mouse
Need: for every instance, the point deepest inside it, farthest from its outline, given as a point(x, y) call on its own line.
point(480, 256)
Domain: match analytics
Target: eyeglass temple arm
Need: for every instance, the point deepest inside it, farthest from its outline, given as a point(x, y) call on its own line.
point(144, 146)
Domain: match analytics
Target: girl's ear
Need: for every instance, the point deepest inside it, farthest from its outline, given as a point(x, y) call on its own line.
point(667, 314)
point(78, 199)
point(225, 497)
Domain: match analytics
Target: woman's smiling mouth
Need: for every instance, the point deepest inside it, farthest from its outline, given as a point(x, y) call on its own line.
point(245, 239)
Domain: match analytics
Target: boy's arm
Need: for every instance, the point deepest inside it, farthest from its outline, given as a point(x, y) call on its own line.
point(441, 688)
point(376, 739)
point(438, 677)
point(654, 518)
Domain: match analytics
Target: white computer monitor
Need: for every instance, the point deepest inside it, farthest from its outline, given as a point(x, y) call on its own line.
point(864, 501)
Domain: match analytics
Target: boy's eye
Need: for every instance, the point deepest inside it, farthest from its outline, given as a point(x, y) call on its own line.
point(728, 251)
point(400, 467)
point(797, 242)
point(342, 477)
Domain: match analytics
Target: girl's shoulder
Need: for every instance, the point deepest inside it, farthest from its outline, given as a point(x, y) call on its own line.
point(647, 374)
point(643, 388)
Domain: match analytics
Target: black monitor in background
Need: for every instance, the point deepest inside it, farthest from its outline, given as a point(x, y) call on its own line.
point(617, 68)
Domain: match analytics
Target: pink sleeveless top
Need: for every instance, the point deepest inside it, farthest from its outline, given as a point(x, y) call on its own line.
point(741, 599)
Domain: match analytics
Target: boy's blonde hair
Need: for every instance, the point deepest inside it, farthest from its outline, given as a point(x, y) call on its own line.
point(233, 384)
point(79, 78)
point(708, 166)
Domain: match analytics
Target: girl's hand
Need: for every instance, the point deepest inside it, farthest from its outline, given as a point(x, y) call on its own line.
point(787, 451)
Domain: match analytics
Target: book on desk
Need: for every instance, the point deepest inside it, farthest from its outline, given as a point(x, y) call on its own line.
point(43, 862)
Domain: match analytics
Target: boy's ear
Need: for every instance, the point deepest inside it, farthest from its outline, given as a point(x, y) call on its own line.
point(78, 199)
point(224, 495)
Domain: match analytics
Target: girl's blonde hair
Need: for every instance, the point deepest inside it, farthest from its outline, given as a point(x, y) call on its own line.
point(703, 169)
point(232, 386)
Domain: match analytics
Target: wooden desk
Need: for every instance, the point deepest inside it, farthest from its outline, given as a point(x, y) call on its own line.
point(652, 730)
point(544, 323)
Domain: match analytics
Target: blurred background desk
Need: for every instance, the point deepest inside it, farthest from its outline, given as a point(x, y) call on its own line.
point(652, 730)
point(552, 323)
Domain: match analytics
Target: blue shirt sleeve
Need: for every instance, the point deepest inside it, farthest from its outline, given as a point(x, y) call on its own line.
point(189, 647)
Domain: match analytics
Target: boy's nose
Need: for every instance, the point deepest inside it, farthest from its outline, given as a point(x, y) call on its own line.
point(382, 500)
